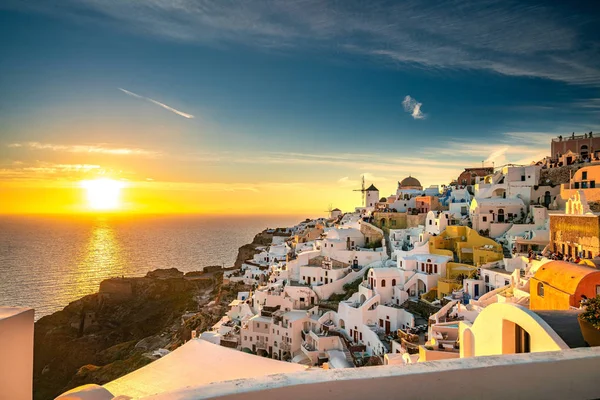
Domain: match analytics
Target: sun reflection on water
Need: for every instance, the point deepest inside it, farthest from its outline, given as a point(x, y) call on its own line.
point(102, 258)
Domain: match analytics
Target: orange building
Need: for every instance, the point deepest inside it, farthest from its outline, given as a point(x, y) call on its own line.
point(586, 179)
point(559, 285)
point(471, 176)
point(427, 203)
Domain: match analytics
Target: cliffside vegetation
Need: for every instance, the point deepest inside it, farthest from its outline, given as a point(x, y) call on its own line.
point(106, 335)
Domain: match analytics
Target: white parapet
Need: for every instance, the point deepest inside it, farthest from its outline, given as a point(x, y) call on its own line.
point(16, 353)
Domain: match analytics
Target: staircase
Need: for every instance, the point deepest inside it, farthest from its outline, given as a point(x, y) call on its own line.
point(388, 243)
point(345, 339)
point(347, 353)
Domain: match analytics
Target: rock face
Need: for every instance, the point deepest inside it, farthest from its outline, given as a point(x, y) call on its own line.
point(93, 339)
point(248, 251)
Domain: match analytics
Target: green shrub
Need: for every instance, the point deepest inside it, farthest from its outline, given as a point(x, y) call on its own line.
point(592, 312)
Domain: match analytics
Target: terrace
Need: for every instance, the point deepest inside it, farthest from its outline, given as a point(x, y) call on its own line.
point(573, 137)
point(327, 263)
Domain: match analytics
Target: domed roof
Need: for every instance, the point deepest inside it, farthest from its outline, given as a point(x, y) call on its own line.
point(410, 181)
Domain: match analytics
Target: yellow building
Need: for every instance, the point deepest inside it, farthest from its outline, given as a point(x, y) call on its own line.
point(505, 328)
point(390, 220)
point(466, 246)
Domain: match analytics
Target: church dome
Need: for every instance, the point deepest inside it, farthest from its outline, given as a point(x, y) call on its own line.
point(410, 182)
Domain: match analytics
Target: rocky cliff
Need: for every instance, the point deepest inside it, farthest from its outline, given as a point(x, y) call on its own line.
point(248, 251)
point(103, 336)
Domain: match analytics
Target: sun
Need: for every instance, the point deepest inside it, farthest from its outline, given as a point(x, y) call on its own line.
point(103, 194)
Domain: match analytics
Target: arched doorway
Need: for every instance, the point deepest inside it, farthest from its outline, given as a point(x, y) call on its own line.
point(342, 324)
point(547, 199)
point(501, 215)
point(382, 222)
point(421, 287)
point(363, 298)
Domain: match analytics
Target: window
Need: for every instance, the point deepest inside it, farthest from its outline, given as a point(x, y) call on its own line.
point(576, 185)
point(584, 175)
point(393, 282)
point(506, 283)
point(592, 184)
point(522, 340)
point(383, 283)
point(430, 222)
point(484, 219)
point(540, 289)
point(522, 178)
point(486, 279)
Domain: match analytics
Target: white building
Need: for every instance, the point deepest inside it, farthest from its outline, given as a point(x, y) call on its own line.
point(437, 221)
point(485, 212)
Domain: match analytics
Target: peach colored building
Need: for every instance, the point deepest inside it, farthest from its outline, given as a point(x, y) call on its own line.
point(560, 285)
point(586, 146)
point(586, 179)
point(424, 204)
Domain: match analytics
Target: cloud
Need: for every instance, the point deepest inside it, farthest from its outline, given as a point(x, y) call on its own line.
point(98, 149)
point(369, 177)
point(158, 103)
point(22, 171)
point(550, 41)
point(413, 107)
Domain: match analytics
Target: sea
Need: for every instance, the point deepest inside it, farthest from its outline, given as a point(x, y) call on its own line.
point(46, 262)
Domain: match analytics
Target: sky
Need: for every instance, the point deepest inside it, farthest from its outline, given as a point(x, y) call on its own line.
point(279, 107)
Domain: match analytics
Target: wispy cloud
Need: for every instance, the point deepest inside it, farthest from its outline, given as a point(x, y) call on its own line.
point(38, 170)
point(98, 149)
point(413, 107)
point(346, 181)
point(158, 103)
point(509, 37)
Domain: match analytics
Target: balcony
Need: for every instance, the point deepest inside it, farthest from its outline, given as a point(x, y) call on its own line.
point(261, 344)
point(284, 346)
point(571, 137)
point(310, 351)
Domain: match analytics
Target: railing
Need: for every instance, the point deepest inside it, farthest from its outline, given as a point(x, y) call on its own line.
point(284, 346)
point(262, 345)
point(571, 137)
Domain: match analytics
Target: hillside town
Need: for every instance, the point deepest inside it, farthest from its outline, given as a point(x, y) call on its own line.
point(501, 260)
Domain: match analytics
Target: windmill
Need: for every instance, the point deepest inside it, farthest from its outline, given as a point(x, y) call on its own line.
point(329, 210)
point(363, 191)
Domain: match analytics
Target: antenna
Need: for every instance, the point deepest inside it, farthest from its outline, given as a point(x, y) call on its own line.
point(363, 191)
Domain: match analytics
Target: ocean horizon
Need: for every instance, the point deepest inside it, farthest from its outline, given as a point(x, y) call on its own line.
point(48, 261)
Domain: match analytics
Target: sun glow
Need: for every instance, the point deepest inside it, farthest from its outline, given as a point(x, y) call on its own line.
point(103, 194)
